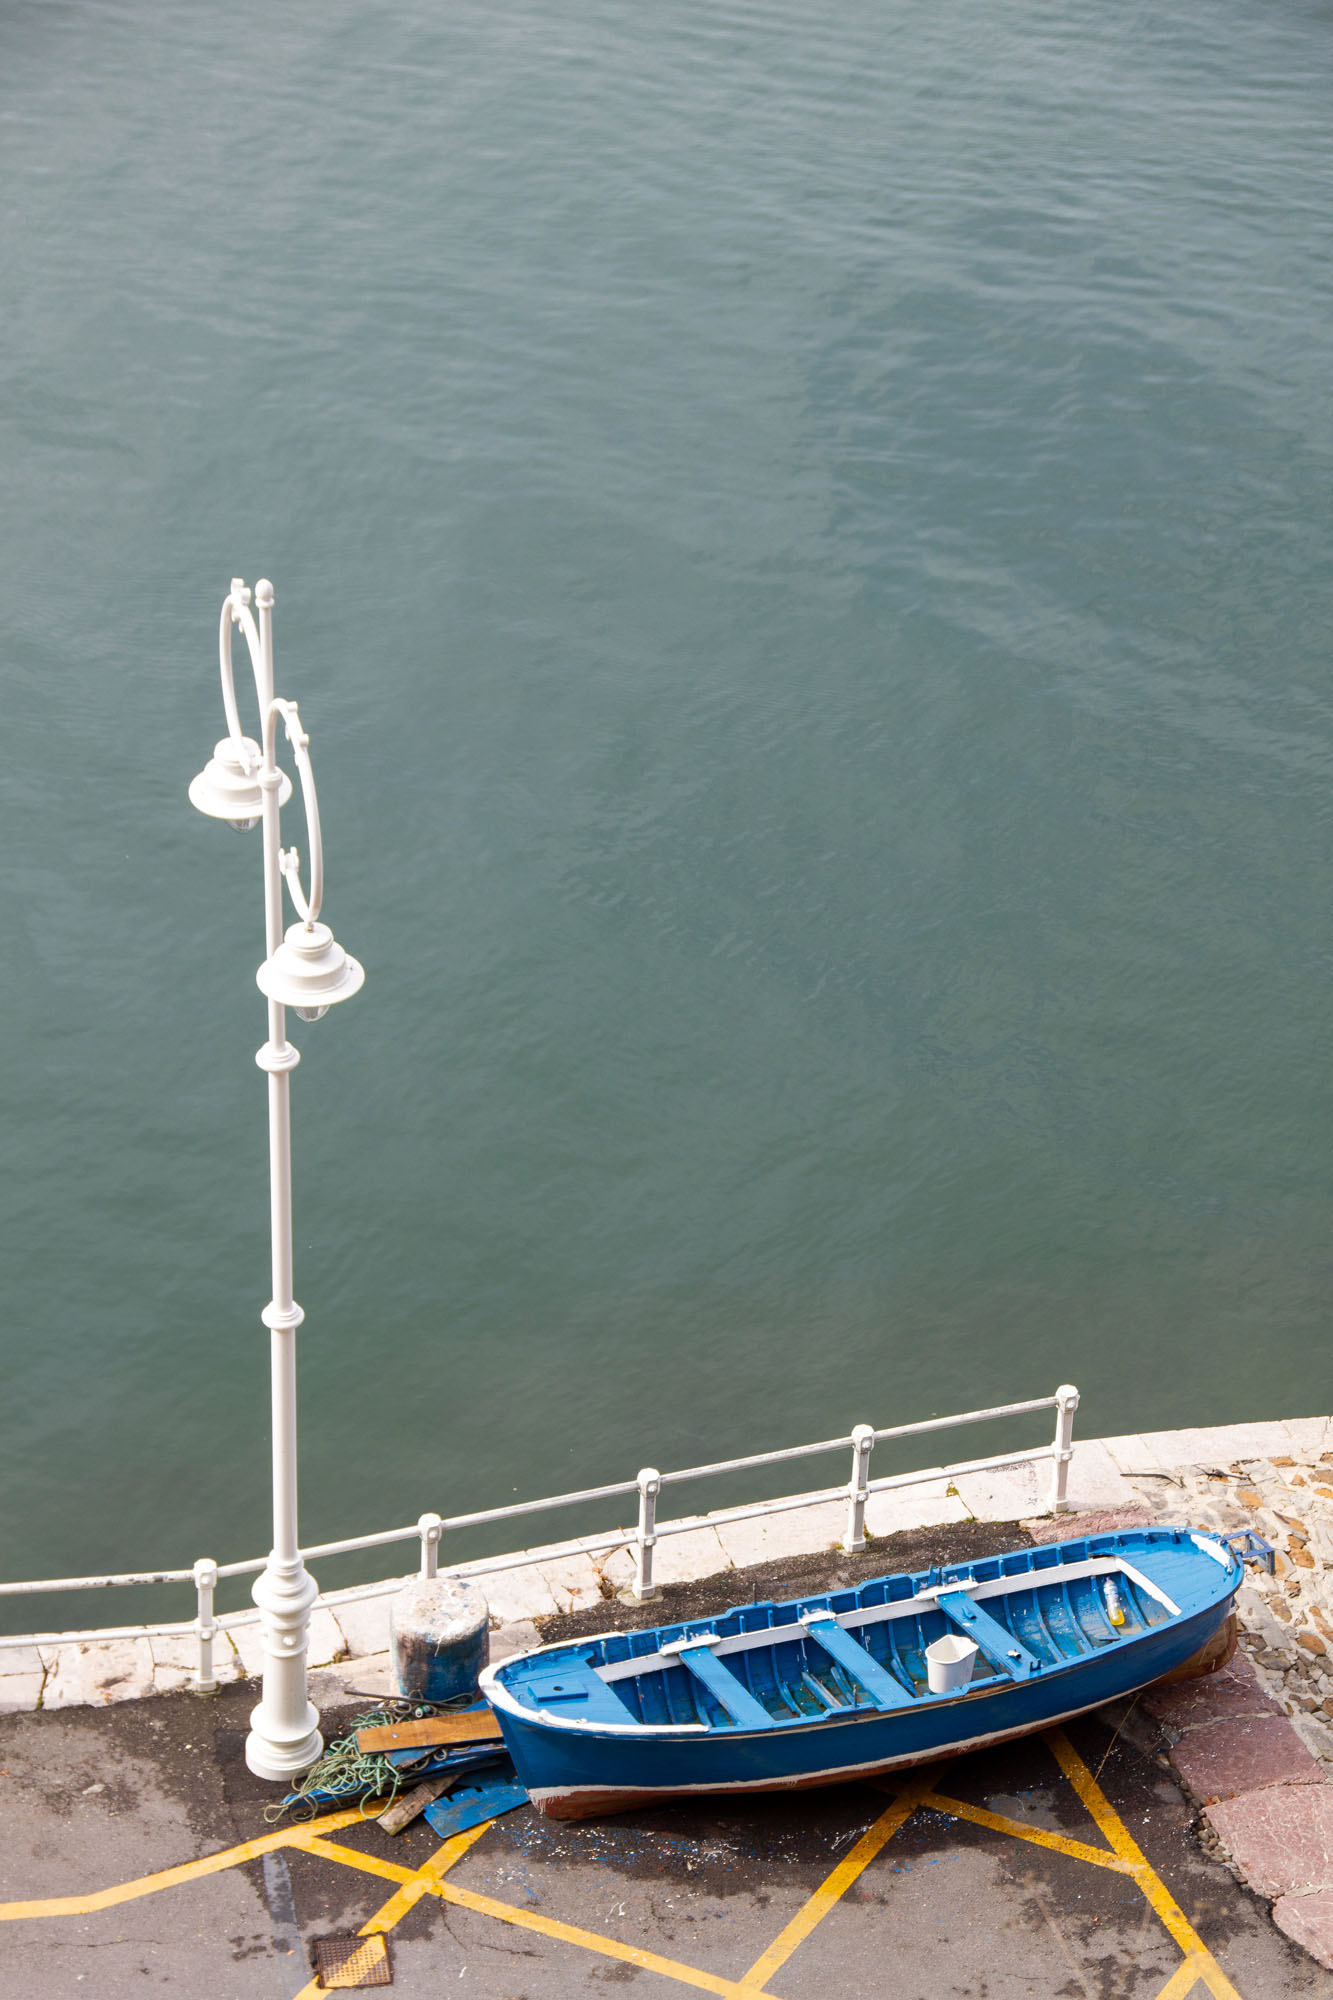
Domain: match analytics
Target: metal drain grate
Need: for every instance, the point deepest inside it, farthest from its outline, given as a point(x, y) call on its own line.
point(344, 1960)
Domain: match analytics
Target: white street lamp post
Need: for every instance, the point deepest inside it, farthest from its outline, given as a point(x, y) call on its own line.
point(308, 970)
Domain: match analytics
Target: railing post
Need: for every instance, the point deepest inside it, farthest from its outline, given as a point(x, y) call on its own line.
point(1066, 1401)
point(430, 1527)
point(650, 1485)
point(863, 1443)
point(205, 1583)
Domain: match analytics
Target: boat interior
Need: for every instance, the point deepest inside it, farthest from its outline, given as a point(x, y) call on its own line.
point(871, 1649)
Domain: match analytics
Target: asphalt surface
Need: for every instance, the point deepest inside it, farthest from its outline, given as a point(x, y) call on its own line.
point(945, 1907)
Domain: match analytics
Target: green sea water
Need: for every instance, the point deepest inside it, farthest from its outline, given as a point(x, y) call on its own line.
point(801, 537)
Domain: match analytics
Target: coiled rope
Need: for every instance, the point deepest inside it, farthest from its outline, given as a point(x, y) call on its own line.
point(347, 1775)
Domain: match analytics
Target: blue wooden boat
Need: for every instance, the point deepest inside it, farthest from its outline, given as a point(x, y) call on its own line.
point(833, 1687)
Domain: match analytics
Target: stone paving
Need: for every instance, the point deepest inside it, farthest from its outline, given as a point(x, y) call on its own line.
point(1253, 1745)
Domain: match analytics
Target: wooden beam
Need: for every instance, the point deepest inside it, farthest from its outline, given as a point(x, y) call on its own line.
point(474, 1725)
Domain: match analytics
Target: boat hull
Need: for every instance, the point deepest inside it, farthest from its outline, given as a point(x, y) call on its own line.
point(578, 1777)
point(831, 1689)
point(586, 1803)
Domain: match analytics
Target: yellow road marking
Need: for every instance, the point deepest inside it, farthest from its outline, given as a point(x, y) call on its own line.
point(836, 1884)
point(1078, 1850)
point(410, 1893)
point(1151, 1885)
point(628, 1954)
point(1183, 1980)
point(352, 1857)
point(171, 1878)
point(428, 1879)
point(1125, 1857)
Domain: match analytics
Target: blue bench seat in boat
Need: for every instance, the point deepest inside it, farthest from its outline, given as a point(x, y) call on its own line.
point(999, 1645)
point(1176, 1572)
point(857, 1663)
point(726, 1690)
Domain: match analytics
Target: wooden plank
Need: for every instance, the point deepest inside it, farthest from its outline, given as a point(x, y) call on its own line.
point(723, 1685)
point(863, 1667)
point(471, 1804)
point(476, 1725)
point(407, 1808)
point(996, 1641)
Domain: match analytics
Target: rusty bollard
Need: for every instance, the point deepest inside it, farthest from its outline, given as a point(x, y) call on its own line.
point(439, 1631)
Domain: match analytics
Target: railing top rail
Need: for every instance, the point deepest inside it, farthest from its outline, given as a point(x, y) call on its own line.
point(99, 1582)
point(516, 1510)
point(968, 1417)
point(478, 1520)
point(495, 1565)
point(756, 1458)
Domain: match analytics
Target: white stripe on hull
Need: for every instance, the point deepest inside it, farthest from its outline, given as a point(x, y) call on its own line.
point(581, 1801)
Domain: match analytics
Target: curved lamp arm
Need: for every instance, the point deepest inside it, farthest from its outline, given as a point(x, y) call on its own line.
point(236, 611)
point(308, 907)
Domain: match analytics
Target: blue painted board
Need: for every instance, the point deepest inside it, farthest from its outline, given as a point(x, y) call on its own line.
point(724, 1687)
point(469, 1805)
point(413, 1764)
point(996, 1641)
point(854, 1660)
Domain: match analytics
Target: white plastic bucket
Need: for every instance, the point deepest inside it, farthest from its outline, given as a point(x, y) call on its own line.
point(949, 1662)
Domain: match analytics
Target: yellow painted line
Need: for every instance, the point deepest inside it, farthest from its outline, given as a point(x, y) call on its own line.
point(836, 1884)
point(1117, 1836)
point(405, 1898)
point(1125, 1856)
point(1077, 1850)
point(628, 1954)
point(426, 1877)
point(1183, 1980)
point(172, 1878)
point(351, 1857)
point(453, 1850)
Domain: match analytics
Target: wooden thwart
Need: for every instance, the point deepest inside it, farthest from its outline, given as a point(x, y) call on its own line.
point(996, 1641)
point(862, 1666)
point(477, 1725)
point(726, 1690)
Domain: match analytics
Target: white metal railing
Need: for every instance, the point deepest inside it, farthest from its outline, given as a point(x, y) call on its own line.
point(643, 1538)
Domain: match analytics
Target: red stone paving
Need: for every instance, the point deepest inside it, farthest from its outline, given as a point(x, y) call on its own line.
point(1231, 1694)
point(1282, 1839)
point(1308, 1922)
point(1067, 1528)
point(1249, 1754)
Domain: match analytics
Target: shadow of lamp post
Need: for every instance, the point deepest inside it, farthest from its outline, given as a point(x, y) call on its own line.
point(308, 970)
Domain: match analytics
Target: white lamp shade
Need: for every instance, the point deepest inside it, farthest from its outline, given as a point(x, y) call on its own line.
point(310, 970)
point(225, 789)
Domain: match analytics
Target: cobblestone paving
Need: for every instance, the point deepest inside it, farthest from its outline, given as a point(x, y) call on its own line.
point(1287, 1619)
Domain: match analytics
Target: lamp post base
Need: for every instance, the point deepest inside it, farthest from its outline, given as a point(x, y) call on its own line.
point(281, 1761)
point(284, 1737)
